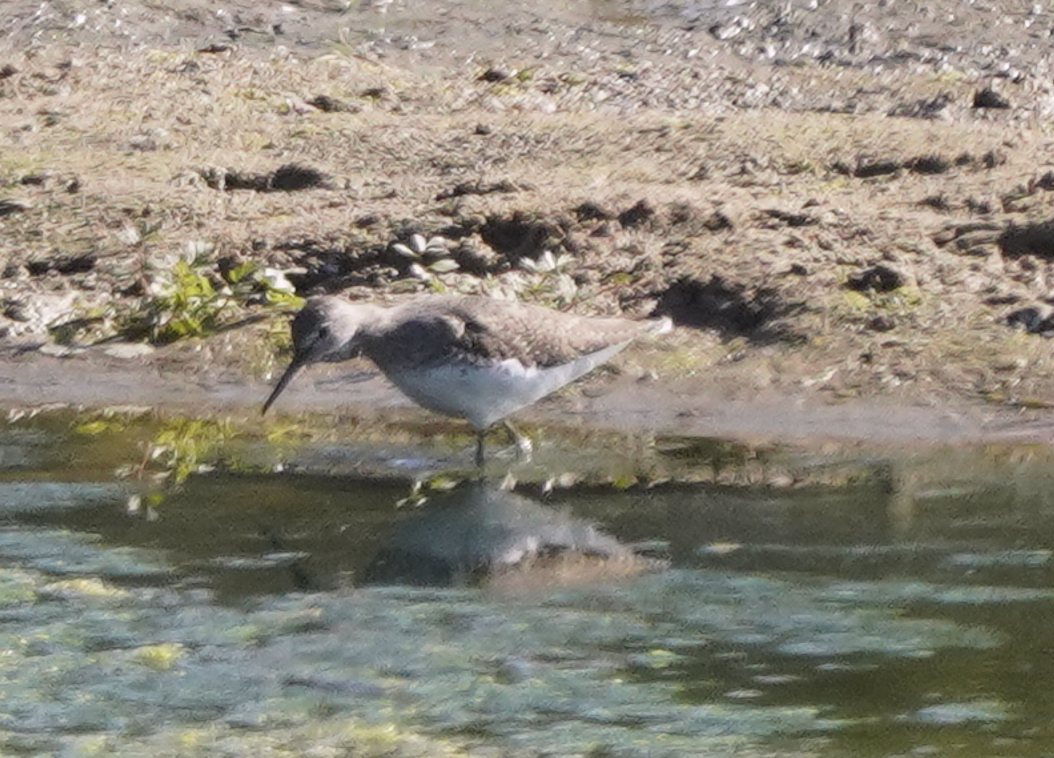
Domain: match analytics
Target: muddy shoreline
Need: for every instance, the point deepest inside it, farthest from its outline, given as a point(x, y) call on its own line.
point(845, 209)
point(622, 403)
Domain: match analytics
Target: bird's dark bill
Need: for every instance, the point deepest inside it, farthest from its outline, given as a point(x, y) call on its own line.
point(287, 377)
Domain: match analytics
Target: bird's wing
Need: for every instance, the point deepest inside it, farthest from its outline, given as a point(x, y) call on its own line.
point(533, 335)
point(477, 330)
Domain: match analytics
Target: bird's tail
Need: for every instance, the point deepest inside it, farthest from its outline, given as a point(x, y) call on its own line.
point(660, 325)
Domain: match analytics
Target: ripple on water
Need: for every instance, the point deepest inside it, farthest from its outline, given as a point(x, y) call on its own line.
point(110, 649)
point(35, 498)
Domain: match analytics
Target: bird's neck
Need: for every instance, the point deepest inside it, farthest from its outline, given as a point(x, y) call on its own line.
point(361, 322)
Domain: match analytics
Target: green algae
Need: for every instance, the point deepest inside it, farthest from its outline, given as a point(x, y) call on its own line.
point(186, 634)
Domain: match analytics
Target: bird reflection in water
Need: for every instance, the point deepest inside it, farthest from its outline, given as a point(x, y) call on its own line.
point(481, 534)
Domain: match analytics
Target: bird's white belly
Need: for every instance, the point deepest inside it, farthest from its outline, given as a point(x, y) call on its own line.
point(484, 394)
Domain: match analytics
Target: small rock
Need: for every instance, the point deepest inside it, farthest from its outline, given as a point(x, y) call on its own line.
point(129, 350)
point(35, 313)
point(293, 176)
point(717, 221)
point(881, 324)
point(215, 48)
point(493, 75)
point(791, 218)
point(993, 158)
point(880, 278)
point(933, 108)
point(1043, 182)
point(701, 173)
point(938, 202)
point(475, 259)
point(725, 32)
point(59, 351)
point(989, 98)
point(637, 215)
point(63, 264)
point(10, 206)
point(929, 164)
point(1004, 298)
point(150, 141)
point(328, 104)
point(981, 205)
point(49, 117)
point(38, 179)
point(1035, 319)
point(590, 211)
point(299, 107)
point(865, 167)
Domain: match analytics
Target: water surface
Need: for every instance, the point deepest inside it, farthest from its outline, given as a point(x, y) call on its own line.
point(669, 597)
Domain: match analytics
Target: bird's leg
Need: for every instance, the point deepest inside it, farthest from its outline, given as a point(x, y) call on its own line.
point(521, 444)
point(524, 448)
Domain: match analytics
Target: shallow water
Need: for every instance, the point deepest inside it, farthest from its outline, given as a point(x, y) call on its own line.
point(691, 597)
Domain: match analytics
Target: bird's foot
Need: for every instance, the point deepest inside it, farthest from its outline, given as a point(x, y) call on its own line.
point(522, 447)
point(521, 443)
point(481, 458)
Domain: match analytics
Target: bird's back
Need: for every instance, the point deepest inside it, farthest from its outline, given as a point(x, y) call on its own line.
point(479, 329)
point(483, 359)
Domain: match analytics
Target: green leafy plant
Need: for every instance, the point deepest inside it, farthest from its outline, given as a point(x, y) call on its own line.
point(191, 299)
point(160, 453)
point(187, 305)
point(546, 280)
point(429, 260)
point(179, 448)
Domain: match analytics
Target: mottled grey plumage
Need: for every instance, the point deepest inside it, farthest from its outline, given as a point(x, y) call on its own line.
point(469, 357)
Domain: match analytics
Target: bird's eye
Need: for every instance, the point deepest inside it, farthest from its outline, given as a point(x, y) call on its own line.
point(323, 332)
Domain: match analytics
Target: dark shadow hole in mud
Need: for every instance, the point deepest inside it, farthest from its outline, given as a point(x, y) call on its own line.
point(689, 220)
point(1031, 239)
point(640, 214)
point(63, 264)
point(865, 168)
point(589, 211)
point(330, 268)
point(933, 163)
point(728, 309)
point(880, 278)
point(462, 189)
point(291, 177)
point(929, 164)
point(522, 236)
point(331, 264)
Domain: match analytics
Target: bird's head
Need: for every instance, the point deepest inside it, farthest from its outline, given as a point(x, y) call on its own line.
point(325, 329)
